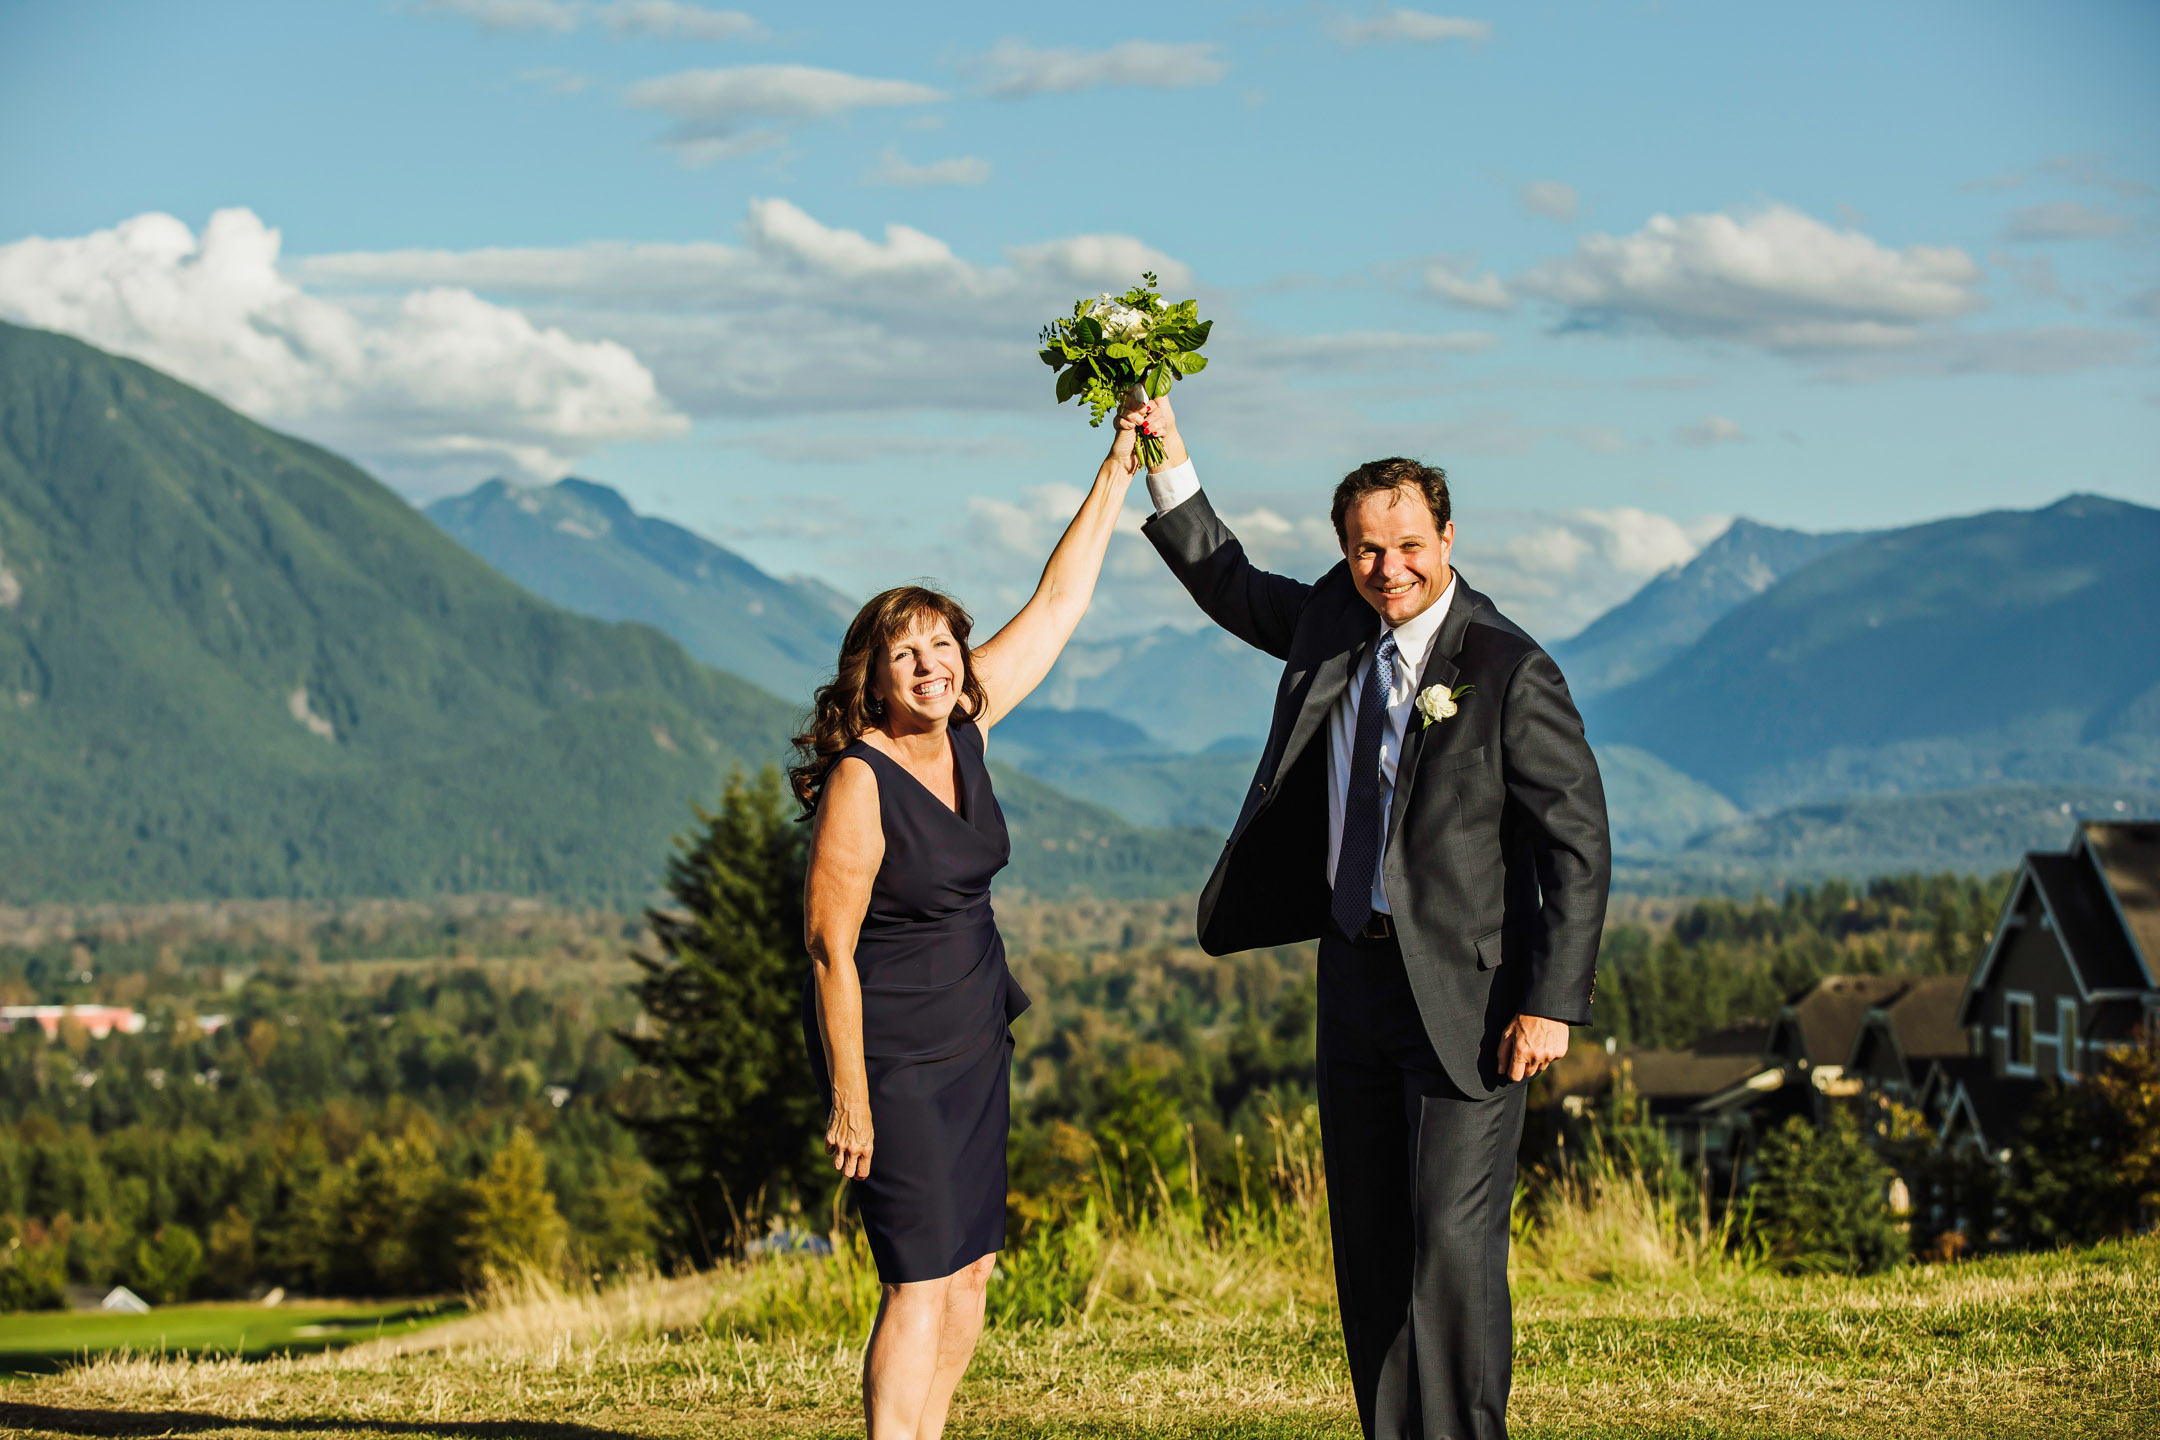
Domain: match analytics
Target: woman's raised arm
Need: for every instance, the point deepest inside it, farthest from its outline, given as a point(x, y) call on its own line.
point(847, 844)
point(1011, 663)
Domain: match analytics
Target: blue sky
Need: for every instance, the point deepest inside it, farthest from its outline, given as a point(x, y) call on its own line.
point(1625, 270)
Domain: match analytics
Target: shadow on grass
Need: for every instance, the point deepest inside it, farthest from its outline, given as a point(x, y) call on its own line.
point(59, 1420)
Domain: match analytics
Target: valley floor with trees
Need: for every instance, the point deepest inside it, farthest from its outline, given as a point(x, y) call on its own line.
point(401, 1099)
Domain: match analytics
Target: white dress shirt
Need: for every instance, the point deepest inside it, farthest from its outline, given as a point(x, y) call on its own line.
point(1413, 642)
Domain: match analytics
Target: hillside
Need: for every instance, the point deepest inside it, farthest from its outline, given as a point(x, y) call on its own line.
point(1969, 832)
point(1187, 688)
point(2014, 646)
point(235, 665)
point(581, 546)
point(1672, 611)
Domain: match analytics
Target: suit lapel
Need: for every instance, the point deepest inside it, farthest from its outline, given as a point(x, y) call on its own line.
point(1331, 677)
point(1439, 670)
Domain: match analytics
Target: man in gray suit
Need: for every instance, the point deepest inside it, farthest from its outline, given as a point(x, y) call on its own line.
point(1426, 806)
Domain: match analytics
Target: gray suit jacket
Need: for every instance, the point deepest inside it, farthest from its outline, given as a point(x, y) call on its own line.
point(1498, 858)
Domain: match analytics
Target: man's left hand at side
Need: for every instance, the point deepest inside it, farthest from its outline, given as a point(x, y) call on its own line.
point(1530, 1044)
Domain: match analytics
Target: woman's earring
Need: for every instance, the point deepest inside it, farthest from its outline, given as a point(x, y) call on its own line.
point(875, 707)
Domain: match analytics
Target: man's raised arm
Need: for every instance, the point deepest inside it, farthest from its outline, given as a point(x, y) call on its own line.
point(1259, 608)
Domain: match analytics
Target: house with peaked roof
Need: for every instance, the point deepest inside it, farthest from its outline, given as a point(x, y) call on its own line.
point(1903, 1036)
point(2068, 976)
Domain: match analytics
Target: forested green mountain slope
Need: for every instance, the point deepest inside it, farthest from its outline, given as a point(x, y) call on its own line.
point(2013, 646)
point(232, 664)
point(581, 546)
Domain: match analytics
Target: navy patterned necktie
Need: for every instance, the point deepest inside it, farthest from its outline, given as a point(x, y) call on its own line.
point(1359, 858)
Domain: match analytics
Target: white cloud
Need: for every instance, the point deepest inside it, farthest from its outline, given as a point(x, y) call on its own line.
point(433, 377)
point(555, 79)
point(1775, 278)
point(1014, 68)
point(798, 316)
point(1454, 284)
point(2094, 171)
point(560, 16)
point(670, 20)
point(894, 169)
point(1598, 439)
point(2065, 220)
point(1555, 571)
point(1397, 27)
point(1708, 431)
point(2046, 350)
point(1553, 199)
point(716, 111)
point(1361, 350)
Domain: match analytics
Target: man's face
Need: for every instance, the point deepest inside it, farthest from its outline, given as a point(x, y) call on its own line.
point(1397, 557)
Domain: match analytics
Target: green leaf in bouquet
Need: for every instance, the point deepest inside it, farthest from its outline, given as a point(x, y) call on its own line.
point(1188, 363)
point(1200, 332)
point(1158, 382)
point(1070, 383)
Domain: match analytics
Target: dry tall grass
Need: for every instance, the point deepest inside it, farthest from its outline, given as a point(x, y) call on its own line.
point(1632, 1319)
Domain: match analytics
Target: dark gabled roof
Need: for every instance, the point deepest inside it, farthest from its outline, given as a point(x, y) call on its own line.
point(2127, 853)
point(1685, 1075)
point(1828, 1013)
point(1995, 1104)
point(2087, 922)
point(1943, 1077)
point(1750, 1037)
point(1924, 1017)
point(2091, 932)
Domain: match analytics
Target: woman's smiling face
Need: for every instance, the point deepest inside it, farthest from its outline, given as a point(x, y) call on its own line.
point(919, 675)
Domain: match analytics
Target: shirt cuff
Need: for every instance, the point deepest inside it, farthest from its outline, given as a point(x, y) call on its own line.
point(1172, 487)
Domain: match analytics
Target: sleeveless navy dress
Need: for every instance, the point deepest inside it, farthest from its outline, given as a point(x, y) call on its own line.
point(937, 1000)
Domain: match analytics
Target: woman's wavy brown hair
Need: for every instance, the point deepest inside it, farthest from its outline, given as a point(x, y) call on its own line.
point(844, 708)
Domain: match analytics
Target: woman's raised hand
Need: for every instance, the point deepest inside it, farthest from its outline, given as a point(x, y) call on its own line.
point(848, 1139)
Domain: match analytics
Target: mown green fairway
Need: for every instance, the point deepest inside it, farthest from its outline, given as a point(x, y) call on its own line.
point(44, 1340)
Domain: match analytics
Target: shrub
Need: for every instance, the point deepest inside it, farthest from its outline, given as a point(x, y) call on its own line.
point(1821, 1199)
point(2088, 1165)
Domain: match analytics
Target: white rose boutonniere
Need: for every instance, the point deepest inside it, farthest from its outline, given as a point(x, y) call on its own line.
point(1436, 702)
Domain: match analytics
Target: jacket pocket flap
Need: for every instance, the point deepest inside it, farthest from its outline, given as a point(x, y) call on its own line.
point(1489, 953)
point(1461, 760)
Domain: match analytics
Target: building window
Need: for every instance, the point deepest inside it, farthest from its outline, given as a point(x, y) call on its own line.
point(2018, 1034)
point(2066, 1039)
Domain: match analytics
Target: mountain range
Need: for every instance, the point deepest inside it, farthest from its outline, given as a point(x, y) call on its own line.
point(233, 664)
point(581, 546)
point(2012, 646)
point(1725, 689)
point(1643, 633)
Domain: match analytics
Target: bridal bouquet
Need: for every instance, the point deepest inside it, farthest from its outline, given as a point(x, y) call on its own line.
point(1122, 344)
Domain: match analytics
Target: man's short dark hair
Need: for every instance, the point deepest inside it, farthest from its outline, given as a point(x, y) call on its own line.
point(1394, 473)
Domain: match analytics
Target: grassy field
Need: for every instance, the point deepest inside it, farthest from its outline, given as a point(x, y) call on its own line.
point(1215, 1341)
point(48, 1340)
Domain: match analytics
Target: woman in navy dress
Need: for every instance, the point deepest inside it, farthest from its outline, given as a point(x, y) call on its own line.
point(907, 1005)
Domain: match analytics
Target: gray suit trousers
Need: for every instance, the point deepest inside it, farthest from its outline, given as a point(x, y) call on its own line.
point(1420, 1181)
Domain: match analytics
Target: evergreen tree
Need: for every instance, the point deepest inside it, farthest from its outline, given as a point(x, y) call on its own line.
point(512, 1222)
point(1821, 1197)
point(727, 1112)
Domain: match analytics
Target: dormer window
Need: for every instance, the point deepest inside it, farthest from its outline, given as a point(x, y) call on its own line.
point(2017, 1034)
